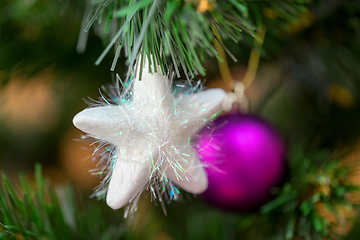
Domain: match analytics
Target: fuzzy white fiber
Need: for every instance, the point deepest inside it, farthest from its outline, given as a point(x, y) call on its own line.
point(151, 132)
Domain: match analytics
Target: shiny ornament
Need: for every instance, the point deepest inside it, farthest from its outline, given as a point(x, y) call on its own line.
point(244, 158)
point(149, 130)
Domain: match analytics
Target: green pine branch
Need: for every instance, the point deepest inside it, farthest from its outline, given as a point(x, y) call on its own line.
point(42, 212)
point(175, 32)
point(316, 181)
point(168, 29)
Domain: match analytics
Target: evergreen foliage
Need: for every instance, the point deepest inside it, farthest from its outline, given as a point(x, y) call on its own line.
point(42, 211)
point(163, 28)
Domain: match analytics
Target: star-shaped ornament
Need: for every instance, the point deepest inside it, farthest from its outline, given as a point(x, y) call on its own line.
point(151, 129)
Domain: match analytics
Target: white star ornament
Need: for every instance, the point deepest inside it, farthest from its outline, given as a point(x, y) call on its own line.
point(152, 133)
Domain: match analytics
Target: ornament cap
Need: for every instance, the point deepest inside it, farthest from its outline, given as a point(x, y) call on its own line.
point(236, 100)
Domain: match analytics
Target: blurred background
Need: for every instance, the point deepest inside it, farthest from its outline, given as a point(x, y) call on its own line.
point(43, 83)
point(307, 84)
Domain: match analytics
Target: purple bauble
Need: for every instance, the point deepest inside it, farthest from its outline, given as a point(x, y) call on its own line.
point(244, 158)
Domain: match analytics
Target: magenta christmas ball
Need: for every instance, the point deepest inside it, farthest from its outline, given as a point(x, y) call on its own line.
point(244, 158)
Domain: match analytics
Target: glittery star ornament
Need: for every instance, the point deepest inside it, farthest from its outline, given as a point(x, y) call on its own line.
point(150, 129)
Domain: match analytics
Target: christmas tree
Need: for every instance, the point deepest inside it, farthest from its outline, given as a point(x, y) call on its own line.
point(214, 119)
